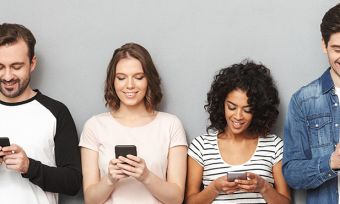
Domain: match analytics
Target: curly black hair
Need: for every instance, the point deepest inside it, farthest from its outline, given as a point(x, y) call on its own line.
point(256, 81)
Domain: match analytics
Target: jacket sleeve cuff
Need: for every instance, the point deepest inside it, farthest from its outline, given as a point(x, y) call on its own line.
point(325, 168)
point(33, 169)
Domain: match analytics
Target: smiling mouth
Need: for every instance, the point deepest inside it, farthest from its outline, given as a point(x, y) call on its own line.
point(9, 84)
point(130, 94)
point(237, 124)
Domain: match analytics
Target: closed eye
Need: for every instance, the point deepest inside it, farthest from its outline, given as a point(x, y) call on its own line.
point(120, 78)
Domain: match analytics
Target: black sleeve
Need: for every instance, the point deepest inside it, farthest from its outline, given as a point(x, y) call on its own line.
point(66, 178)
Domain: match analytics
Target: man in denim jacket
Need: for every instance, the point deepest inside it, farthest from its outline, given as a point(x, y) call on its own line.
point(311, 158)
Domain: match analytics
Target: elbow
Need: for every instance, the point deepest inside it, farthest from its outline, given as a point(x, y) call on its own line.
point(178, 197)
point(294, 180)
point(298, 180)
point(74, 185)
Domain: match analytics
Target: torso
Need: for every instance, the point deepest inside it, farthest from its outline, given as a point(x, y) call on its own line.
point(236, 152)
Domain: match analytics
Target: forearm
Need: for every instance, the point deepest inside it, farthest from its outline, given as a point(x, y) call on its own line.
point(204, 197)
point(308, 174)
point(65, 179)
point(164, 191)
point(271, 196)
point(100, 192)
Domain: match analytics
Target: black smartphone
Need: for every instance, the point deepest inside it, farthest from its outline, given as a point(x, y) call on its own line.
point(123, 150)
point(231, 176)
point(4, 142)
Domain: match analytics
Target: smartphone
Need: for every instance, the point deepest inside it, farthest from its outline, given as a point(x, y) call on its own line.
point(4, 142)
point(123, 150)
point(231, 176)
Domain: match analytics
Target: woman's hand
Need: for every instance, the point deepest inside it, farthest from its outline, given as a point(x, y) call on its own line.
point(135, 167)
point(221, 184)
point(115, 173)
point(254, 183)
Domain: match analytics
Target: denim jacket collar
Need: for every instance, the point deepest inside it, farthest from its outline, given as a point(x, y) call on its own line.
point(327, 81)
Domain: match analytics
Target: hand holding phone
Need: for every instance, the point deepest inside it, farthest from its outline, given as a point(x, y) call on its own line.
point(231, 176)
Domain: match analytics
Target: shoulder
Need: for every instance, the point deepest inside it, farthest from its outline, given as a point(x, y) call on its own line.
point(311, 90)
point(99, 118)
point(54, 106)
point(167, 118)
point(204, 139)
point(272, 140)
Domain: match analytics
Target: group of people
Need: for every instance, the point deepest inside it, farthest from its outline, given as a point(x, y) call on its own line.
point(238, 160)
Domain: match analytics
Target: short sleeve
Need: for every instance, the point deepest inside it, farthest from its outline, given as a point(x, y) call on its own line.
point(278, 149)
point(195, 150)
point(88, 138)
point(177, 134)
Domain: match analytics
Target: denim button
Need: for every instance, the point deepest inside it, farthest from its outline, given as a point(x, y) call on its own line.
point(336, 124)
point(329, 175)
point(335, 104)
point(316, 125)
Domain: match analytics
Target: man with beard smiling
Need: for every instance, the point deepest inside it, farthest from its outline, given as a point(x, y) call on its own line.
point(311, 156)
point(43, 158)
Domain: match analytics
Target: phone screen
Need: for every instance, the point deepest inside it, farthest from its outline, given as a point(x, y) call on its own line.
point(4, 142)
point(231, 176)
point(123, 150)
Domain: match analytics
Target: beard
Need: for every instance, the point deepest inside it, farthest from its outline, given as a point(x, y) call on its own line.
point(19, 88)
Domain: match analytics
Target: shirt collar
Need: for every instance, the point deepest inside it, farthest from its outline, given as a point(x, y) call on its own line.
point(327, 81)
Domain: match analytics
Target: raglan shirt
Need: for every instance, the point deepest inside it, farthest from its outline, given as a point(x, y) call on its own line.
point(44, 128)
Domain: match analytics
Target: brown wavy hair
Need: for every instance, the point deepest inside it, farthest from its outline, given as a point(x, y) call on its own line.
point(153, 94)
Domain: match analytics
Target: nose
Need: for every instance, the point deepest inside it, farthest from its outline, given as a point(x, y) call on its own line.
point(239, 114)
point(131, 83)
point(8, 75)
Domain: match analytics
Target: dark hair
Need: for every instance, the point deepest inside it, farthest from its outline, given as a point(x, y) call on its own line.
point(10, 33)
point(330, 23)
point(153, 95)
point(256, 81)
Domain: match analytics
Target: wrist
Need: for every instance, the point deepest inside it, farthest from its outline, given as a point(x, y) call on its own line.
point(265, 187)
point(214, 188)
point(110, 182)
point(147, 179)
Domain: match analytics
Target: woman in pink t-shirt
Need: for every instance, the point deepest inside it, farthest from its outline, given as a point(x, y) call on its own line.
point(157, 173)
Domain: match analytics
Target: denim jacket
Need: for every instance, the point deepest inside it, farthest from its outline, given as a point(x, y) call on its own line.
point(310, 135)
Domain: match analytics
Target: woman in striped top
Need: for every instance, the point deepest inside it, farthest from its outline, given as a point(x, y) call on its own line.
point(242, 106)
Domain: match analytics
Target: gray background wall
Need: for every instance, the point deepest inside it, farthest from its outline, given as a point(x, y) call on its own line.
point(189, 41)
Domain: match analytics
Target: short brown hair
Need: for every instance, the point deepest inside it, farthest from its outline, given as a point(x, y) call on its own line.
point(10, 33)
point(330, 23)
point(153, 95)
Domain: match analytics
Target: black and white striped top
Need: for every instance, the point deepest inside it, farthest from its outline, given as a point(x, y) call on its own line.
point(204, 150)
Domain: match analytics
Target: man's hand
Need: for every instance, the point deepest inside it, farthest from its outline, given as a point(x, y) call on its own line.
point(335, 158)
point(15, 158)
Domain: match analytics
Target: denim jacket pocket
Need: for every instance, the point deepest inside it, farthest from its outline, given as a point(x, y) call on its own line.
point(319, 128)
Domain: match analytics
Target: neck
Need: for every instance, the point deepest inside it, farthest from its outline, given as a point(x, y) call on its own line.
point(335, 78)
point(132, 112)
point(27, 94)
point(227, 134)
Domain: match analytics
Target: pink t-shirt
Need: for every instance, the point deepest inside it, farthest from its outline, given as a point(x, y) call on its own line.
point(102, 132)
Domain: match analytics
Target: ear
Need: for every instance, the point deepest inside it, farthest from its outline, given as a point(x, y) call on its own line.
point(33, 63)
point(324, 47)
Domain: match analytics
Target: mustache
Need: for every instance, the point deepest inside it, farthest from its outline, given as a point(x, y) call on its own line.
point(10, 81)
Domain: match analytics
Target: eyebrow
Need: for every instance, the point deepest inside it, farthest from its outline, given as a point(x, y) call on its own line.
point(17, 63)
point(335, 46)
point(236, 105)
point(133, 74)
